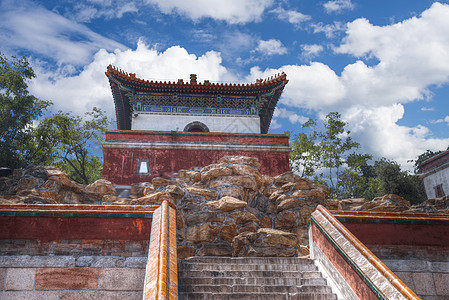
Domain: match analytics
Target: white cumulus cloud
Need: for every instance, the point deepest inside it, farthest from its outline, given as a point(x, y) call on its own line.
point(271, 47)
point(291, 16)
point(337, 6)
point(231, 11)
point(79, 93)
point(410, 58)
point(311, 50)
point(290, 115)
point(25, 25)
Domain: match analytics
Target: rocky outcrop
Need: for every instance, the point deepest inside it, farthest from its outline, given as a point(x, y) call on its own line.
point(391, 203)
point(432, 206)
point(49, 185)
point(229, 208)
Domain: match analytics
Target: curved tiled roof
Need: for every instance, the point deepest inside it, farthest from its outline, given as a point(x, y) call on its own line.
point(260, 83)
point(123, 85)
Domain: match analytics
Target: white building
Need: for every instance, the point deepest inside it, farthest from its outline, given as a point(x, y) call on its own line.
point(435, 175)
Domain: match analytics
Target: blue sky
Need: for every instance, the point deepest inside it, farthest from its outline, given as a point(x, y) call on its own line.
point(384, 65)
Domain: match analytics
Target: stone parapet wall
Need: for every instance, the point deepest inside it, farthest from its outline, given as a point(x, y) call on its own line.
point(429, 279)
point(81, 247)
point(425, 269)
point(355, 272)
point(69, 277)
point(414, 246)
point(36, 264)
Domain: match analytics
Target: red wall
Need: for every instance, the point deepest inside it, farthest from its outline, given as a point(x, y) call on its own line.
point(75, 228)
point(358, 285)
point(120, 164)
point(400, 234)
point(212, 137)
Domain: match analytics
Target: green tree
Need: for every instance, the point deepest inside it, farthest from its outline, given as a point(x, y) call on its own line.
point(306, 152)
point(63, 140)
point(335, 147)
point(18, 110)
point(323, 155)
point(74, 138)
point(353, 180)
point(392, 180)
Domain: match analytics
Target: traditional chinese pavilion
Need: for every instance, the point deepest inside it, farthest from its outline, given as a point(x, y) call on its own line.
point(164, 127)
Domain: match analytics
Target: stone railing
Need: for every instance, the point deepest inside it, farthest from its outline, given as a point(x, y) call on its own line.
point(352, 268)
point(161, 278)
point(412, 245)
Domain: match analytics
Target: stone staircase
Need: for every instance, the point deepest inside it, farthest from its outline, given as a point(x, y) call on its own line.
point(251, 278)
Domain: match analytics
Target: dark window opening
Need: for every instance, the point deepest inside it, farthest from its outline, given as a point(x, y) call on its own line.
point(439, 192)
point(196, 127)
point(143, 166)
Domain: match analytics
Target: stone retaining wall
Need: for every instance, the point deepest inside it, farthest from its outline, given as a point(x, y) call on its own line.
point(424, 269)
point(429, 280)
point(414, 246)
point(351, 267)
point(68, 277)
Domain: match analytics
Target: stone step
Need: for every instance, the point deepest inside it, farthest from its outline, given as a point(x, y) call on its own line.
point(247, 267)
point(251, 296)
point(303, 280)
point(256, 289)
point(248, 260)
point(246, 274)
point(272, 278)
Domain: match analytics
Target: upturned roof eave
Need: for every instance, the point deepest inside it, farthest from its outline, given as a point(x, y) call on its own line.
point(224, 88)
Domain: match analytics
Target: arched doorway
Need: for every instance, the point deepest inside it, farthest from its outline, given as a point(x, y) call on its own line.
point(196, 127)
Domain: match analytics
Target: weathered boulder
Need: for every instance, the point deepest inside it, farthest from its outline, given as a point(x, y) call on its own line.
point(232, 191)
point(433, 205)
point(244, 181)
point(228, 232)
point(38, 184)
point(291, 203)
point(28, 183)
point(185, 251)
point(387, 203)
point(161, 182)
point(201, 233)
point(208, 194)
point(200, 217)
point(155, 199)
point(102, 187)
point(141, 189)
point(265, 242)
point(352, 204)
point(276, 237)
point(227, 204)
point(175, 191)
point(304, 184)
point(243, 170)
point(286, 177)
point(219, 171)
point(242, 217)
point(216, 250)
point(285, 220)
point(188, 176)
point(242, 160)
point(334, 204)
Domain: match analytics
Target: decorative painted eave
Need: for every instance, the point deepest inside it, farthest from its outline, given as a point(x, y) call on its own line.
point(199, 87)
point(124, 85)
